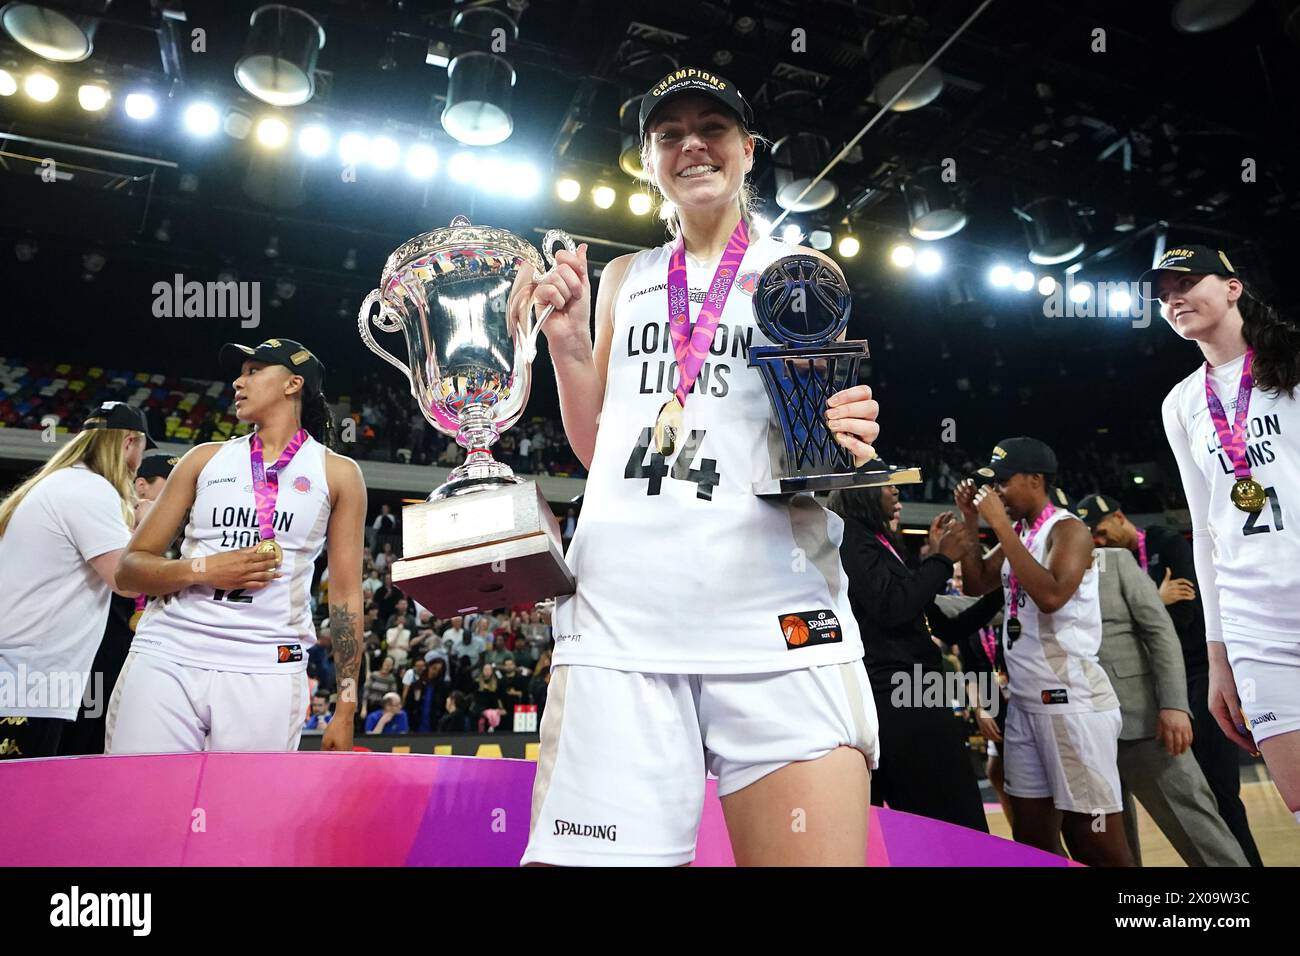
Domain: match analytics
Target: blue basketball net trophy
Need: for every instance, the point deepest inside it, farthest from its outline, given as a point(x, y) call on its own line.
point(802, 302)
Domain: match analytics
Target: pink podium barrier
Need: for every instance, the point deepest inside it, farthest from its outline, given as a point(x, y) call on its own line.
point(358, 809)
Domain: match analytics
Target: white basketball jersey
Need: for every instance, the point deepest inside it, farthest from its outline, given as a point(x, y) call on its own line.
point(1052, 666)
point(680, 567)
point(1257, 555)
point(263, 631)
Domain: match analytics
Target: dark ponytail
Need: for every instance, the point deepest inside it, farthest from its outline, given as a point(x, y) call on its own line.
point(318, 418)
point(867, 507)
point(1276, 341)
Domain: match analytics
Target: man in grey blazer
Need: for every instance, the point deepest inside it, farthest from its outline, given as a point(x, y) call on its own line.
point(1141, 655)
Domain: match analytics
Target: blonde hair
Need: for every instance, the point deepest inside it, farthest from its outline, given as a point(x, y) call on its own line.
point(100, 450)
point(748, 199)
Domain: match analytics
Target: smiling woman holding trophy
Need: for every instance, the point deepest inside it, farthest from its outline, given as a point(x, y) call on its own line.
point(710, 628)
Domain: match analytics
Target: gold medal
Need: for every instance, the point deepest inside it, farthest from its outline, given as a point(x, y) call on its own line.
point(1248, 494)
point(668, 426)
point(272, 547)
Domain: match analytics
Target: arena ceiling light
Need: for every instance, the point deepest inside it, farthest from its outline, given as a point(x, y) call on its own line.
point(1052, 231)
point(354, 147)
point(629, 124)
point(603, 197)
point(238, 124)
point(902, 255)
point(1046, 285)
point(798, 158)
point(314, 140)
point(384, 152)
point(791, 233)
point(1000, 276)
point(639, 203)
point(8, 85)
point(1080, 292)
point(568, 189)
point(928, 262)
point(272, 132)
point(41, 86)
point(63, 37)
point(141, 106)
point(93, 97)
point(900, 53)
point(461, 167)
point(280, 54)
point(1119, 301)
point(477, 109)
point(202, 119)
point(933, 209)
point(421, 161)
point(820, 239)
point(1023, 281)
point(525, 180)
point(1201, 16)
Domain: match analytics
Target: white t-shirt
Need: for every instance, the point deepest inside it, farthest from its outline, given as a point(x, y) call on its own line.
point(53, 604)
point(1248, 564)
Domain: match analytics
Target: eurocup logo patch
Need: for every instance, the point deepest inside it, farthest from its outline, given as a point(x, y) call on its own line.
point(810, 628)
point(747, 282)
point(302, 484)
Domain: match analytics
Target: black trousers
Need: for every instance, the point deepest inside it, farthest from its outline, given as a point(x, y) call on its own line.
point(1218, 758)
point(924, 765)
point(86, 734)
point(30, 736)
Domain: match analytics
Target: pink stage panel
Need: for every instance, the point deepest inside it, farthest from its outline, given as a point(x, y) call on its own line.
point(349, 809)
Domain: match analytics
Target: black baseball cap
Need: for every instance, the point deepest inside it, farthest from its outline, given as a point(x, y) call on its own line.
point(294, 356)
point(120, 415)
point(691, 80)
point(1095, 509)
point(156, 466)
point(1199, 260)
point(1014, 456)
point(1061, 499)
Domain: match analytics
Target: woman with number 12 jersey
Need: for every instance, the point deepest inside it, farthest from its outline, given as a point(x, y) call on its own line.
point(220, 656)
point(1234, 428)
point(711, 628)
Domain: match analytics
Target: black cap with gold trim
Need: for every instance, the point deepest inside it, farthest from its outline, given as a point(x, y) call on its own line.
point(1013, 456)
point(1198, 260)
point(691, 80)
point(156, 466)
point(294, 356)
point(1095, 509)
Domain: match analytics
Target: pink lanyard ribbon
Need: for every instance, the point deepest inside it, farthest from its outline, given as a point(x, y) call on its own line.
point(266, 481)
point(1233, 439)
point(989, 641)
point(885, 541)
point(691, 344)
point(1142, 549)
point(1014, 584)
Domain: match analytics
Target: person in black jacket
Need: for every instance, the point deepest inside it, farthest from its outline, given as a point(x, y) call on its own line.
point(924, 766)
point(1167, 557)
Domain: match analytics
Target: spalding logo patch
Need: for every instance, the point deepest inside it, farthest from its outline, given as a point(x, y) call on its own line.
point(288, 653)
point(810, 628)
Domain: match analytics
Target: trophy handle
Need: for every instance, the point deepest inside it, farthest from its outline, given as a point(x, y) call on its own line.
point(548, 250)
point(386, 322)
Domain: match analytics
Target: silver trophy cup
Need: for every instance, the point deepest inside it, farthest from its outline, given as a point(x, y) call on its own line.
point(460, 296)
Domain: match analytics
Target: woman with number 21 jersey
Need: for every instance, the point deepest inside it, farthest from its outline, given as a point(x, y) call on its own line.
point(1234, 428)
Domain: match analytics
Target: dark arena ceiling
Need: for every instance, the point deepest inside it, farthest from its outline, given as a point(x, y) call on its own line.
point(1145, 123)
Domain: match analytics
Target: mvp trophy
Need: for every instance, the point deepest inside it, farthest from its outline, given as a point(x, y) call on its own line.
point(460, 296)
point(804, 303)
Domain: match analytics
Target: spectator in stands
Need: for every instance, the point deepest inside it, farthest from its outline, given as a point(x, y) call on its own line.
point(385, 528)
point(390, 718)
point(387, 596)
point(487, 707)
point(497, 653)
point(457, 718)
point(62, 532)
point(398, 639)
point(513, 685)
point(473, 647)
point(463, 674)
point(320, 713)
point(320, 659)
point(372, 583)
point(452, 635)
point(402, 613)
point(380, 682)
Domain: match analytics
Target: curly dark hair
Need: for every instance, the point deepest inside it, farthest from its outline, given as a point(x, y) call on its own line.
point(1276, 341)
point(867, 507)
point(317, 417)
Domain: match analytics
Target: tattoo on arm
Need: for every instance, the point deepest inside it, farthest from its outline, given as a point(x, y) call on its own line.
point(347, 650)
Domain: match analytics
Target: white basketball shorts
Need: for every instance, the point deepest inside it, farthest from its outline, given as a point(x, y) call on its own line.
point(159, 706)
point(621, 769)
point(1266, 669)
point(1072, 758)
